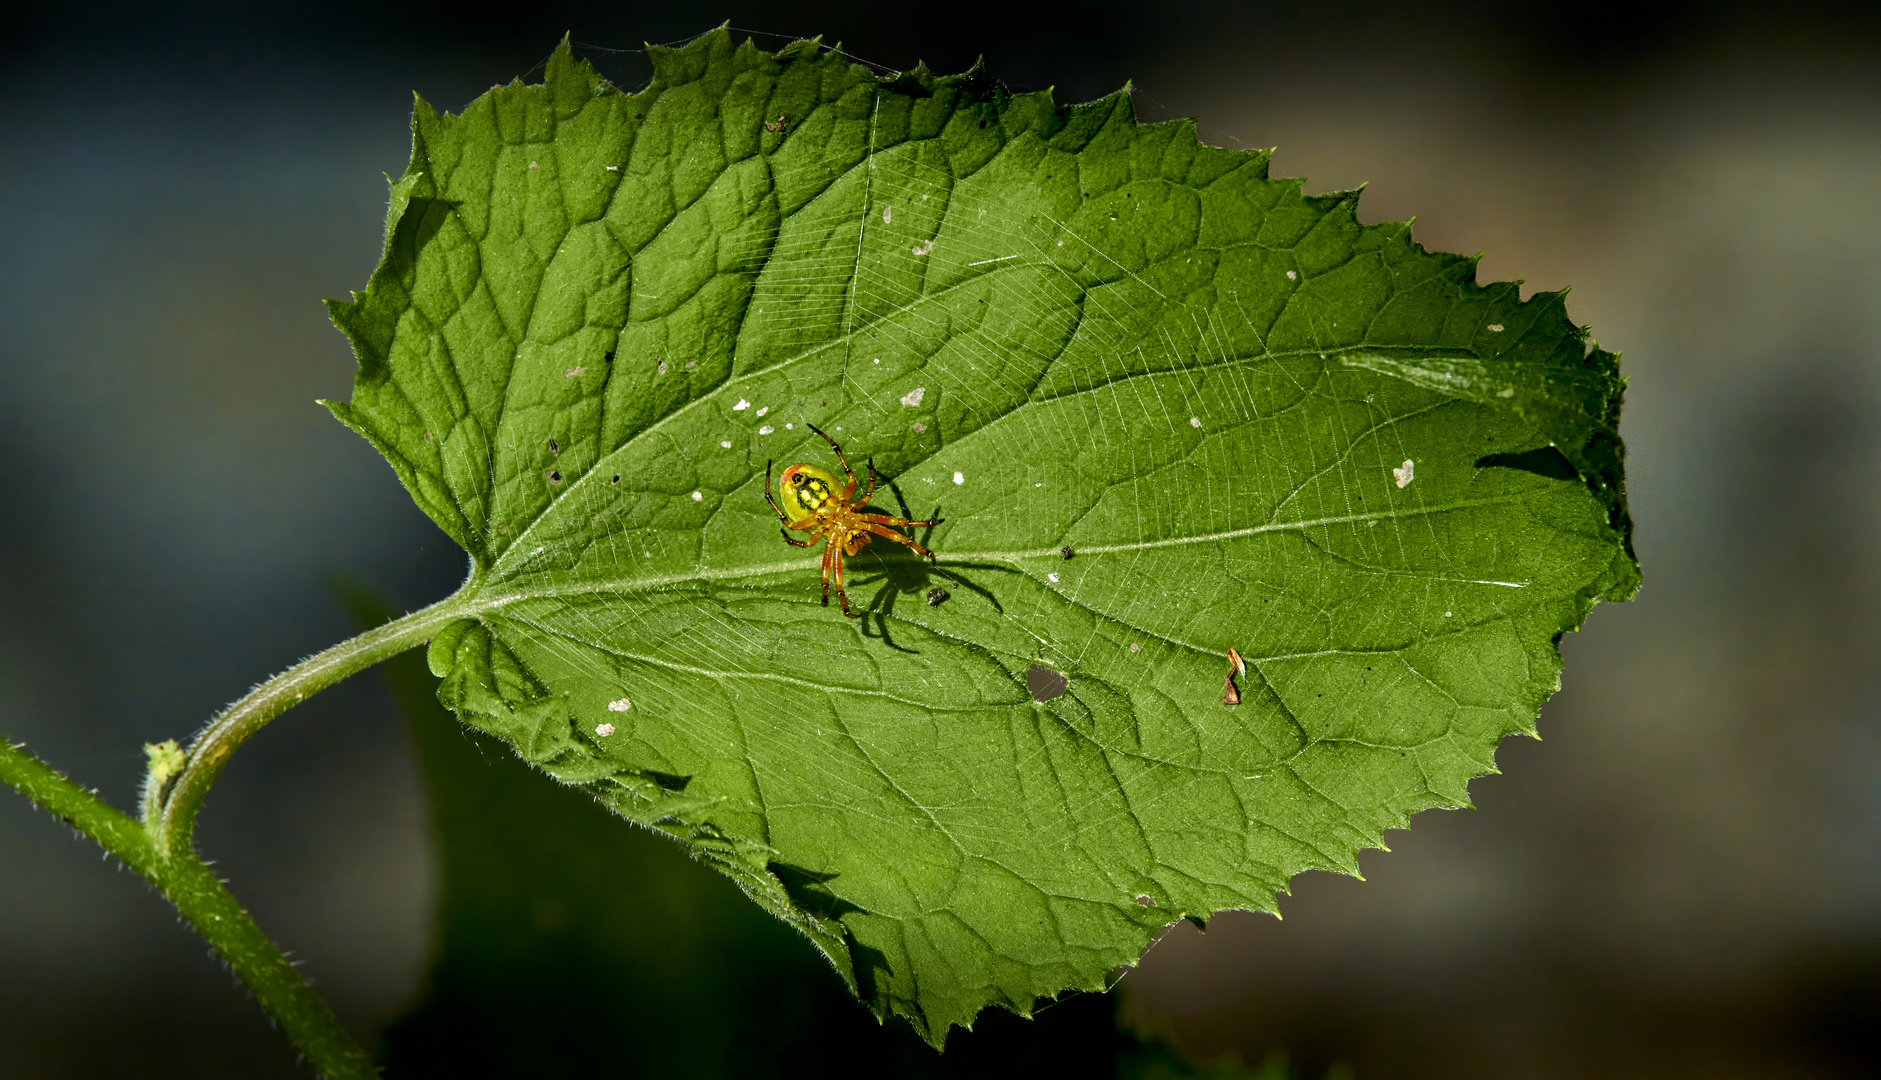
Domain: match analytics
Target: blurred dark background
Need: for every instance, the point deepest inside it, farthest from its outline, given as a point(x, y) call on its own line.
point(1683, 880)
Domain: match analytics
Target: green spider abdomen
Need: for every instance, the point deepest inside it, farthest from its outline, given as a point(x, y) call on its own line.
point(806, 489)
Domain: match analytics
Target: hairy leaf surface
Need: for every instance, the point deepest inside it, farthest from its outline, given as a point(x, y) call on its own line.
point(1168, 406)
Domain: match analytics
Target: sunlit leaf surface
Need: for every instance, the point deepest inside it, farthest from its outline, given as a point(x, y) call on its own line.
point(1167, 407)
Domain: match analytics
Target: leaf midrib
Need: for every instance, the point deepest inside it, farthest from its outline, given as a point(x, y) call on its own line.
point(647, 584)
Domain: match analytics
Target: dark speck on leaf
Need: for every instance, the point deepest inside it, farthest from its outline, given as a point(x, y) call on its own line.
point(554, 447)
point(608, 359)
point(1045, 683)
point(1067, 552)
point(555, 476)
point(616, 479)
point(1145, 901)
point(936, 597)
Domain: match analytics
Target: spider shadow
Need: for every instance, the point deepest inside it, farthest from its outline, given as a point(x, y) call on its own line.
point(900, 572)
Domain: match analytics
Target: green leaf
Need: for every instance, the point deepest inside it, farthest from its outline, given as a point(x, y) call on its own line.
point(565, 934)
point(1256, 424)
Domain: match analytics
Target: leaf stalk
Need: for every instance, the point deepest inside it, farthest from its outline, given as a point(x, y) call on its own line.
point(171, 817)
point(159, 847)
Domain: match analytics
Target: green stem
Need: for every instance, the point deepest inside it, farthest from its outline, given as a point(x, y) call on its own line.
point(171, 829)
point(215, 914)
point(159, 848)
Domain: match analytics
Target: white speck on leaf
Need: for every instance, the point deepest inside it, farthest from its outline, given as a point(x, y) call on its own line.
point(888, 214)
point(538, 551)
point(1134, 648)
point(619, 706)
point(1507, 391)
point(698, 496)
point(790, 427)
point(959, 479)
point(764, 410)
point(741, 406)
point(918, 426)
point(604, 730)
point(1195, 421)
point(613, 168)
point(1447, 614)
point(1053, 578)
point(924, 248)
point(1293, 275)
point(726, 443)
point(574, 373)
point(1403, 473)
point(767, 429)
point(1495, 328)
point(532, 164)
point(913, 397)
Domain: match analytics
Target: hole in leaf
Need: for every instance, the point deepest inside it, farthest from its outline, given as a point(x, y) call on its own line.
point(1045, 683)
point(555, 476)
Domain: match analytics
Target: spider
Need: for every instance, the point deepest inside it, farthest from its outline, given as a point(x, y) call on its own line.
point(832, 517)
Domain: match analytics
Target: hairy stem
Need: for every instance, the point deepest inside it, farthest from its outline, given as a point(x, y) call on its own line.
point(159, 848)
point(175, 811)
point(215, 914)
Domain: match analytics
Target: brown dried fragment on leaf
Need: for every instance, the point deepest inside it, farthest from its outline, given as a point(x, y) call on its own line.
point(1229, 694)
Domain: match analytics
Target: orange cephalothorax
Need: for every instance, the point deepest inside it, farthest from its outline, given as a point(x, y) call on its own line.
point(814, 501)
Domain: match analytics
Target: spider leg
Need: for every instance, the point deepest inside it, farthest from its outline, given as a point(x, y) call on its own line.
point(869, 494)
point(842, 594)
point(847, 471)
point(883, 530)
point(785, 533)
point(829, 552)
point(884, 519)
point(785, 518)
